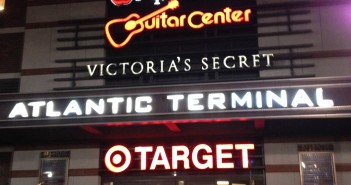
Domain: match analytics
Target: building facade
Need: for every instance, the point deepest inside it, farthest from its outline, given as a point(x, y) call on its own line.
point(189, 92)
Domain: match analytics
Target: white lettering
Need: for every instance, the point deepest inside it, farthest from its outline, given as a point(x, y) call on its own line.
point(242, 61)
point(321, 101)
point(150, 67)
point(194, 102)
point(247, 99)
point(175, 100)
point(140, 70)
point(98, 108)
point(180, 157)
point(73, 108)
point(207, 158)
point(301, 97)
point(268, 56)
point(215, 62)
point(160, 158)
point(36, 107)
point(221, 155)
point(91, 71)
point(19, 110)
point(139, 108)
point(216, 99)
point(259, 99)
point(143, 157)
point(50, 112)
point(204, 64)
point(225, 62)
point(115, 104)
point(282, 100)
point(108, 69)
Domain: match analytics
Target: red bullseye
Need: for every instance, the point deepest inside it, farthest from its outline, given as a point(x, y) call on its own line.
point(117, 159)
point(113, 160)
point(121, 2)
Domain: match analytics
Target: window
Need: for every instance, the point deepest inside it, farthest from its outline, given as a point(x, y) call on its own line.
point(317, 168)
point(54, 167)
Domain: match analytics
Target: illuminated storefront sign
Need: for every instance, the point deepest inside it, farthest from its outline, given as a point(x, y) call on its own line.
point(173, 103)
point(192, 103)
point(118, 158)
point(159, 19)
point(180, 64)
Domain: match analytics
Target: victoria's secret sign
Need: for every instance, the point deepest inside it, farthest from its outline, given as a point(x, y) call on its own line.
point(119, 158)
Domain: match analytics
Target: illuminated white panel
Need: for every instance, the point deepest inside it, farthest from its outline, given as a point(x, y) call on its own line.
point(222, 182)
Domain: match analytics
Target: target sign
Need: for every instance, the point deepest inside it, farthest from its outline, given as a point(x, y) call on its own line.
point(118, 158)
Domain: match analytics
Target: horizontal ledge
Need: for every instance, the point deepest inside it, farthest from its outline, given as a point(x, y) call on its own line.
point(266, 34)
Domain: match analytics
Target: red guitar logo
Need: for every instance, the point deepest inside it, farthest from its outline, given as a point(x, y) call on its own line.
point(134, 24)
point(121, 2)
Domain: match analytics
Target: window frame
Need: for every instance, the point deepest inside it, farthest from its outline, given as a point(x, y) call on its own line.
point(66, 159)
point(332, 158)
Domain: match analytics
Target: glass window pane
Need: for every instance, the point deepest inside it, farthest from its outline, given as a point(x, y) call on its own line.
point(317, 168)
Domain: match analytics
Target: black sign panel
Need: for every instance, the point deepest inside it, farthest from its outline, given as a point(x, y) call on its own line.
point(226, 101)
point(175, 36)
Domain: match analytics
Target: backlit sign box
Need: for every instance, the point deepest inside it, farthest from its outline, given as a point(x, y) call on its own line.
point(129, 19)
point(161, 38)
point(119, 158)
point(156, 107)
point(193, 102)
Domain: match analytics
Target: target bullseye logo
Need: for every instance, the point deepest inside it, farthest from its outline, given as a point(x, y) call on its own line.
point(118, 158)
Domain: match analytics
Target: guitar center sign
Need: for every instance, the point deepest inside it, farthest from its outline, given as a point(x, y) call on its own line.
point(135, 24)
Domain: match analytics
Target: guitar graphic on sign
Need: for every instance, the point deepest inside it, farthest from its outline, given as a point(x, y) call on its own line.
point(133, 21)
